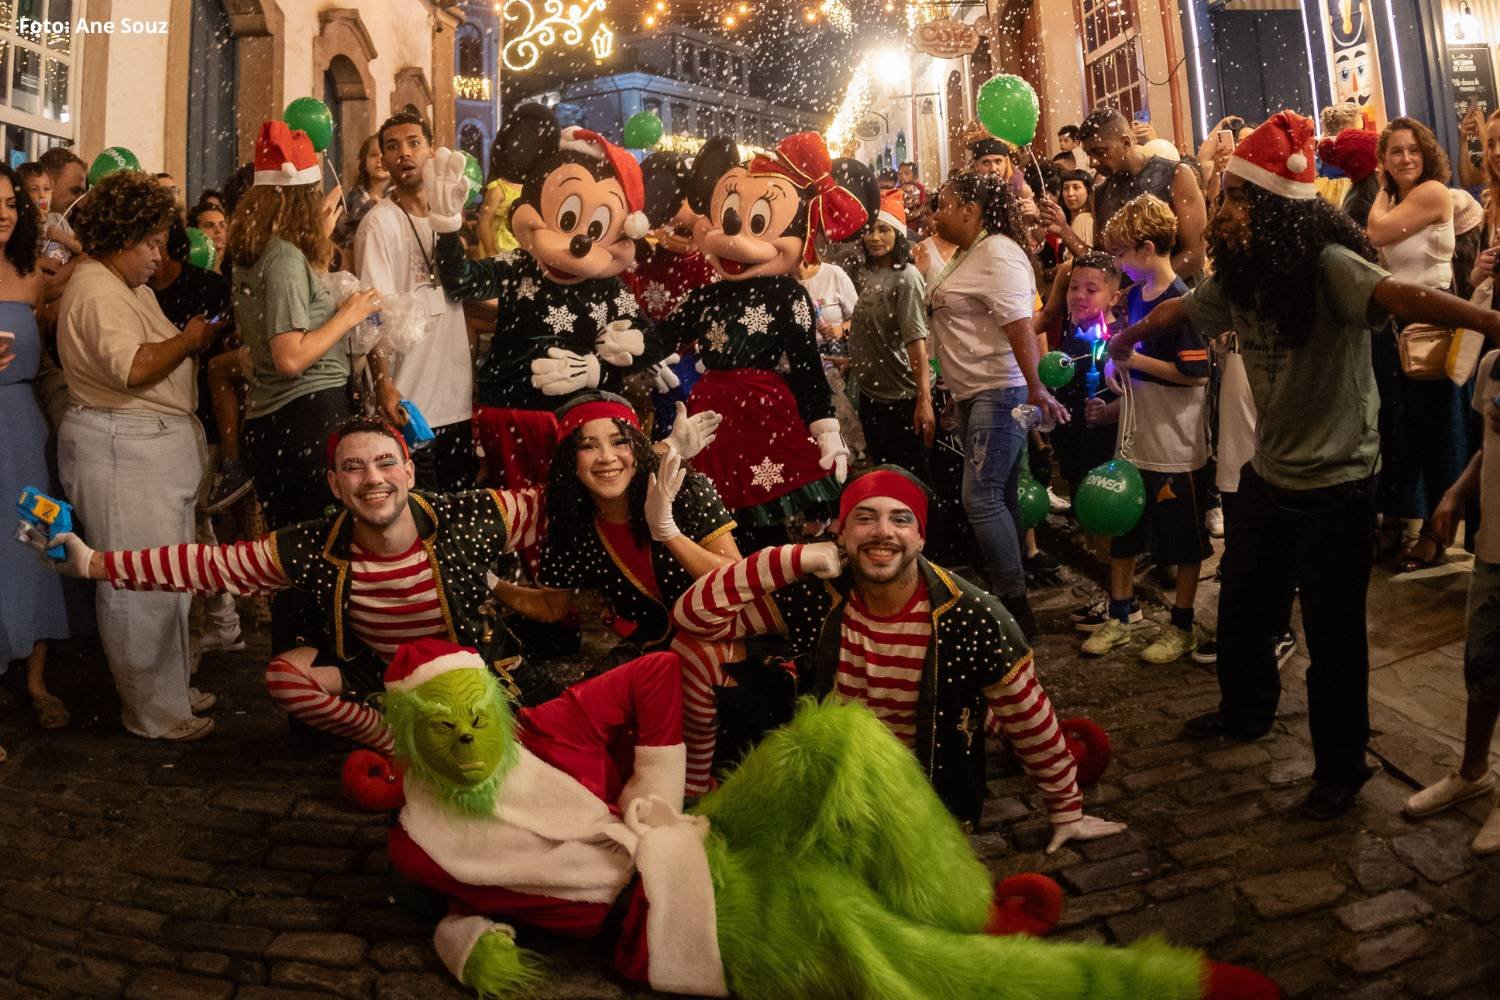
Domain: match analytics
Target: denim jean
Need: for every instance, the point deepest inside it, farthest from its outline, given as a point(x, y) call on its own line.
point(133, 477)
point(993, 444)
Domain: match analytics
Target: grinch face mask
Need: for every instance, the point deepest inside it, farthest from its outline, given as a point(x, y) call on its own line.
point(460, 737)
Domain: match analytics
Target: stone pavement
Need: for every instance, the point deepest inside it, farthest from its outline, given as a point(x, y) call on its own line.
point(230, 868)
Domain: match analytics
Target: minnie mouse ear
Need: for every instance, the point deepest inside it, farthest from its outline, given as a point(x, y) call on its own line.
point(860, 182)
point(530, 133)
point(666, 178)
point(718, 156)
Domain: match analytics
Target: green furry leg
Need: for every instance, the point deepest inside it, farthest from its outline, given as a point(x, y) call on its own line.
point(835, 787)
point(497, 968)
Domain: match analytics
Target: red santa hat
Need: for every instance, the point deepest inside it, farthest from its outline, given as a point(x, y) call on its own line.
point(1352, 151)
point(420, 660)
point(626, 170)
point(284, 157)
point(893, 210)
point(1278, 156)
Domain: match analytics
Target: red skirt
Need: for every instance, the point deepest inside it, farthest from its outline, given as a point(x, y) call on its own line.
point(763, 450)
point(518, 445)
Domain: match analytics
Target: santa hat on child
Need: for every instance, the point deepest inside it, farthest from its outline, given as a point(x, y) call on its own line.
point(1352, 151)
point(893, 210)
point(284, 157)
point(626, 171)
point(420, 660)
point(1278, 156)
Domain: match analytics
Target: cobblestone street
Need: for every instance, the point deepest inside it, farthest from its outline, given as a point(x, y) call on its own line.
point(231, 868)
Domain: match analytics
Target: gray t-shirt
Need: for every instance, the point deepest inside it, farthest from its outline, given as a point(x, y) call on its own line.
point(1317, 403)
point(1487, 545)
point(281, 294)
point(890, 314)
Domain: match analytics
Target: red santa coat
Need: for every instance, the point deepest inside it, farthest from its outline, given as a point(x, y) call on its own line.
point(568, 835)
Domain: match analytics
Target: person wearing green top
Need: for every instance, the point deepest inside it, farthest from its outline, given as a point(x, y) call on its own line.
point(279, 240)
point(1294, 281)
point(888, 345)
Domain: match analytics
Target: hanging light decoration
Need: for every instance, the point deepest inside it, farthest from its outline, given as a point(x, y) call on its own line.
point(856, 102)
point(838, 15)
point(531, 27)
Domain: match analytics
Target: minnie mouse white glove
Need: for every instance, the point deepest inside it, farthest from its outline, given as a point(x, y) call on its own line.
point(690, 435)
point(831, 443)
point(562, 372)
point(447, 189)
point(662, 375)
point(620, 343)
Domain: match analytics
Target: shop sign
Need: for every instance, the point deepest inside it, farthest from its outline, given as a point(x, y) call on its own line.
point(1471, 68)
point(946, 38)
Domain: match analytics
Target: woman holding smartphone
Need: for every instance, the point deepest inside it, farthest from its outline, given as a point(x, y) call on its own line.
point(32, 612)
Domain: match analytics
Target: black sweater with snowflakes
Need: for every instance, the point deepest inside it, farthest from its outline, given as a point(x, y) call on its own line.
point(537, 313)
point(750, 324)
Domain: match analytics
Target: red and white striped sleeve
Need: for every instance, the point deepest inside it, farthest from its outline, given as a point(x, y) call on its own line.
point(238, 569)
point(1021, 712)
point(525, 516)
point(734, 601)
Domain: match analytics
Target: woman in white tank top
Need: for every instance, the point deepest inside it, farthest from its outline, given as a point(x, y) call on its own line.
point(1424, 438)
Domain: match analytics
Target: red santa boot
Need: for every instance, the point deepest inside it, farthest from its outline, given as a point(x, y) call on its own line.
point(1029, 904)
point(1235, 982)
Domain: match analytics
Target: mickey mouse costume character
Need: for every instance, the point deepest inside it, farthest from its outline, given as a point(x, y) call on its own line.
point(779, 448)
point(824, 866)
point(567, 323)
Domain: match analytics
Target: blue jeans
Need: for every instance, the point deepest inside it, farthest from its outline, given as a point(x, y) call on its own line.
point(993, 444)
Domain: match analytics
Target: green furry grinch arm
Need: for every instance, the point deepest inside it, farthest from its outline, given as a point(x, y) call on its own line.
point(497, 968)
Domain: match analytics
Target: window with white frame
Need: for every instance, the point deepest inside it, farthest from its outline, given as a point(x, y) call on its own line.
point(1111, 54)
point(37, 75)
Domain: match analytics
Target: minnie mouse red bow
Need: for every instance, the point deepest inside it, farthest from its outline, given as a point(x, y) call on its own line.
point(833, 210)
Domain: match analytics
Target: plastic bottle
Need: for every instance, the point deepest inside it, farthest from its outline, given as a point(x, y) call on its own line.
point(1033, 418)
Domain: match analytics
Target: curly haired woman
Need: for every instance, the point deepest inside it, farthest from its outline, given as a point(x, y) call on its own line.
point(130, 450)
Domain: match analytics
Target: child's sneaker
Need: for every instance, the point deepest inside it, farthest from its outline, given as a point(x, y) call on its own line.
point(1097, 615)
point(1169, 646)
point(1107, 636)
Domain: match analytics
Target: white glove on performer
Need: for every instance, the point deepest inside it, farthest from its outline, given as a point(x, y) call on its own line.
point(661, 490)
point(1084, 828)
point(662, 375)
point(562, 372)
point(447, 190)
point(824, 560)
point(831, 443)
point(620, 343)
point(79, 556)
point(690, 435)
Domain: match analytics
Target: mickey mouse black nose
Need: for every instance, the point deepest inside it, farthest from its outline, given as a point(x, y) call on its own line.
point(731, 223)
point(580, 245)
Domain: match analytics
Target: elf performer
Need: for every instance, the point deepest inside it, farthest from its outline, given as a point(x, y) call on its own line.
point(930, 654)
point(824, 866)
point(779, 449)
point(567, 322)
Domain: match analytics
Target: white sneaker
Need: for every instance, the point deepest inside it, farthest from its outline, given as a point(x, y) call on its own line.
point(1214, 519)
point(222, 640)
point(1487, 841)
point(201, 701)
point(1450, 791)
point(1057, 504)
point(193, 729)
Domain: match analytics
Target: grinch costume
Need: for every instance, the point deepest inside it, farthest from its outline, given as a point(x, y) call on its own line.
point(824, 866)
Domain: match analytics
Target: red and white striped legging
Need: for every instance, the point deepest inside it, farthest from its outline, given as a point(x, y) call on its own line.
point(702, 670)
point(293, 686)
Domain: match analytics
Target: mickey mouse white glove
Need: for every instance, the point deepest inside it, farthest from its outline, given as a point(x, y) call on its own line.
point(690, 435)
point(79, 557)
point(447, 190)
point(562, 372)
point(662, 375)
point(620, 343)
point(831, 443)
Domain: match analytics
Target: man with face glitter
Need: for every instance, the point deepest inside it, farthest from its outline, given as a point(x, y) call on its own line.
point(931, 655)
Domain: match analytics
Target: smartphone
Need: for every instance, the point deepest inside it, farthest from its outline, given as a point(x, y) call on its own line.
point(1142, 116)
point(1226, 139)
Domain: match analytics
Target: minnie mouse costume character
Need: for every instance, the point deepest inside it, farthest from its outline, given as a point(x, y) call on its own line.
point(567, 323)
point(779, 448)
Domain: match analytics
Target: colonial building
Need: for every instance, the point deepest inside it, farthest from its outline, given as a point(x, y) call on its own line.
point(185, 84)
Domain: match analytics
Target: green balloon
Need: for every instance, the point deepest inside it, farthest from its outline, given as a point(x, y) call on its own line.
point(110, 160)
point(1034, 505)
point(642, 130)
point(1111, 499)
point(201, 252)
point(1008, 108)
point(313, 117)
point(475, 174)
point(1055, 369)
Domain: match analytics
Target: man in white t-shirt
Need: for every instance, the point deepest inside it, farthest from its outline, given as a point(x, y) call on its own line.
point(1474, 779)
point(395, 247)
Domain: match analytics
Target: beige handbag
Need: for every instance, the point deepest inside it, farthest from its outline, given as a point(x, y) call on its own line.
point(1424, 351)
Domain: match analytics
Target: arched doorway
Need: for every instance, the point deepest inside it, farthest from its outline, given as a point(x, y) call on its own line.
point(344, 93)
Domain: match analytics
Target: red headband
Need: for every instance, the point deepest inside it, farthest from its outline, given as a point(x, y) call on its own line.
point(389, 431)
point(885, 483)
point(596, 409)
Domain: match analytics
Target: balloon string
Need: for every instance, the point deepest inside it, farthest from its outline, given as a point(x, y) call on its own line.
point(343, 195)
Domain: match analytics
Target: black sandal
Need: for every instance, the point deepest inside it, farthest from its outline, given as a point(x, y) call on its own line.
point(1413, 561)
